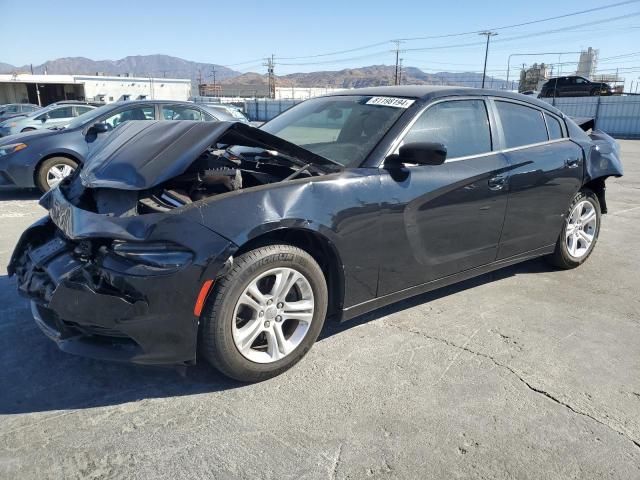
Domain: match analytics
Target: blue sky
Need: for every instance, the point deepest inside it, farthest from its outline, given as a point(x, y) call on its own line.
point(239, 32)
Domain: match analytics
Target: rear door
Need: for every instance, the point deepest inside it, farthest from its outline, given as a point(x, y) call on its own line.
point(443, 219)
point(545, 173)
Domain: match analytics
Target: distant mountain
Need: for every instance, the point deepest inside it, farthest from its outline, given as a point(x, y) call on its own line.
point(234, 83)
point(139, 65)
point(375, 75)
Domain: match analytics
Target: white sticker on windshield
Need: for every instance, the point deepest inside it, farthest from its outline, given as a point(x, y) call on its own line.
point(391, 102)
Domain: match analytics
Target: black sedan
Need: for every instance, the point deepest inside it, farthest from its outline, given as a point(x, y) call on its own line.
point(242, 241)
point(44, 157)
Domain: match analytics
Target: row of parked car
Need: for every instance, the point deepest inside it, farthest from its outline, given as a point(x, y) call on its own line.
point(44, 145)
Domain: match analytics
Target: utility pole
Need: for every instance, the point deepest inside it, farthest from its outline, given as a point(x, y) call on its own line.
point(213, 74)
point(270, 63)
point(486, 53)
point(400, 72)
point(397, 52)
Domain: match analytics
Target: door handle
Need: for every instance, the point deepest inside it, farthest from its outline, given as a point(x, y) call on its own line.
point(497, 182)
point(572, 162)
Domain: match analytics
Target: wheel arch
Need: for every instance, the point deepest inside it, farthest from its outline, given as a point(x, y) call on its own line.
point(319, 247)
point(598, 187)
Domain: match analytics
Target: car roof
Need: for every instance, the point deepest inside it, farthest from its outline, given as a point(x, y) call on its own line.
point(430, 92)
point(150, 102)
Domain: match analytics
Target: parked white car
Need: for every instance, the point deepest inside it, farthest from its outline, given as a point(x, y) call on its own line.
point(53, 116)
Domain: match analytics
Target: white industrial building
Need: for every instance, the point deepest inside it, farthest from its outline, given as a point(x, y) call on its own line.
point(303, 93)
point(46, 89)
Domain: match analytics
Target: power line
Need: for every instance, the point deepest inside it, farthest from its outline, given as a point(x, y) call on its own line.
point(590, 10)
point(528, 35)
point(459, 34)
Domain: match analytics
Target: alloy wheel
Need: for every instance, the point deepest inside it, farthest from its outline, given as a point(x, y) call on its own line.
point(57, 172)
point(273, 315)
point(581, 229)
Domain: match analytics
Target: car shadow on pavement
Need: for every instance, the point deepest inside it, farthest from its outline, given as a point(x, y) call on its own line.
point(36, 376)
point(19, 194)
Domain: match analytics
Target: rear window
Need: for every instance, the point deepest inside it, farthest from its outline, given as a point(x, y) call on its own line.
point(521, 125)
point(553, 125)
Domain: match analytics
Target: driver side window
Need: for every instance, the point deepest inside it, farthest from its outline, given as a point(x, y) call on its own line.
point(460, 125)
point(134, 113)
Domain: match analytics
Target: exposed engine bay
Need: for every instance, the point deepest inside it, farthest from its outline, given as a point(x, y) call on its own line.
point(215, 172)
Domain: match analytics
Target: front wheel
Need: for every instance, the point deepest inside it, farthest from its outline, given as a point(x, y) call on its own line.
point(580, 231)
point(265, 314)
point(52, 171)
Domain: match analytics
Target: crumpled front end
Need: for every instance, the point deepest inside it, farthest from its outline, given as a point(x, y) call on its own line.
point(117, 288)
point(604, 158)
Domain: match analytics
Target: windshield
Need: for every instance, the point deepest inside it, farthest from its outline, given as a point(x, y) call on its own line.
point(341, 128)
point(91, 115)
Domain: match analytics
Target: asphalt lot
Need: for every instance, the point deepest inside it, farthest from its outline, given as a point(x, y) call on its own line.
point(524, 373)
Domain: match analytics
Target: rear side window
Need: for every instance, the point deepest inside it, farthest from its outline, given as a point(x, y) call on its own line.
point(521, 125)
point(64, 112)
point(461, 125)
point(178, 112)
point(553, 125)
point(81, 110)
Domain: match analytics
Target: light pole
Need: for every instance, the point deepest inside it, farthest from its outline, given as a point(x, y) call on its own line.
point(486, 53)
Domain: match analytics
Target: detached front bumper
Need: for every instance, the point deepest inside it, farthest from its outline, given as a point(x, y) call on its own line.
point(92, 305)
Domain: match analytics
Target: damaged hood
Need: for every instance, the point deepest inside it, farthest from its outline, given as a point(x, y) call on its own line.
point(140, 154)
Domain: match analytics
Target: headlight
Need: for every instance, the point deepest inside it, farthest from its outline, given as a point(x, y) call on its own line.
point(14, 147)
point(159, 255)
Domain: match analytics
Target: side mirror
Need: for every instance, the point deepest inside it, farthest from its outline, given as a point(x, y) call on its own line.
point(99, 128)
point(44, 118)
point(420, 153)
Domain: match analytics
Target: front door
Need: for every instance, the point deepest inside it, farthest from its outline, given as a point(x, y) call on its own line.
point(443, 219)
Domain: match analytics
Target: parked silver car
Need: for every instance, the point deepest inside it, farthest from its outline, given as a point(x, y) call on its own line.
point(16, 109)
point(48, 117)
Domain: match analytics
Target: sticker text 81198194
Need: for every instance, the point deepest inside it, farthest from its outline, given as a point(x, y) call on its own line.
point(391, 102)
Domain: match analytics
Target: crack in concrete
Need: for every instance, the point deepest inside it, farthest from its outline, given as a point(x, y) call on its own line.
point(336, 463)
point(518, 376)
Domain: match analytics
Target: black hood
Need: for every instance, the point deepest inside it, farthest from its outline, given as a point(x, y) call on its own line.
point(141, 154)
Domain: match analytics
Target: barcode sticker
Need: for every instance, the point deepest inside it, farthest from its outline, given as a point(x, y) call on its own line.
point(391, 102)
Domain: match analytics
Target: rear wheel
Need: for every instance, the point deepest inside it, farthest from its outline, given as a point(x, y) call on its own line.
point(53, 170)
point(265, 314)
point(580, 231)
point(595, 92)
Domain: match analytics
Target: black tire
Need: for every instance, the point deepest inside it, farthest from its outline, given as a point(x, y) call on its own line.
point(595, 92)
point(43, 170)
point(561, 258)
point(28, 129)
point(216, 322)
